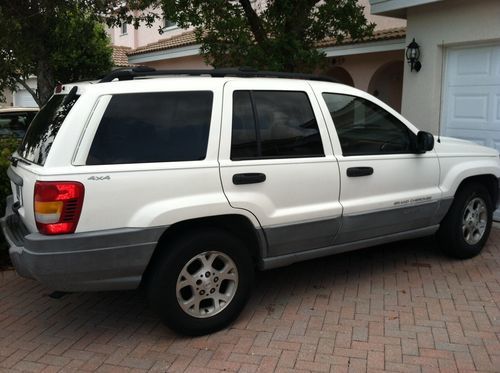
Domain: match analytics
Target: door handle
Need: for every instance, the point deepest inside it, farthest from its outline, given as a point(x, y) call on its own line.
point(359, 171)
point(249, 178)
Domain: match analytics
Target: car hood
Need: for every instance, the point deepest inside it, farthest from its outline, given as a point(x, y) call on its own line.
point(449, 146)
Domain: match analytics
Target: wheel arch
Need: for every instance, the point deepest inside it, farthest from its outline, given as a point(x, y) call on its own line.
point(455, 174)
point(490, 181)
point(235, 224)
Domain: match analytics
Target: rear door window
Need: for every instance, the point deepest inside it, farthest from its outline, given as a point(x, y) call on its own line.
point(274, 124)
point(153, 127)
point(43, 130)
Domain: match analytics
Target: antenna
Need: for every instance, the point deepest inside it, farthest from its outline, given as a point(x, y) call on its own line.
point(441, 92)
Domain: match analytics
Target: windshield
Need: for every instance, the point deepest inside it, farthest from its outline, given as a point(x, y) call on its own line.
point(43, 129)
point(14, 124)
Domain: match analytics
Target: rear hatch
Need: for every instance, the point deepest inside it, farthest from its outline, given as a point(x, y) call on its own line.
point(28, 161)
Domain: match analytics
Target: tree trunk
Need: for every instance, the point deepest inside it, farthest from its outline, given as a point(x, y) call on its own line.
point(29, 90)
point(254, 21)
point(45, 81)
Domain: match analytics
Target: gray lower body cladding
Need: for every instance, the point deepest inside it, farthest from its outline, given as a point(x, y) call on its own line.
point(292, 238)
point(105, 260)
point(303, 241)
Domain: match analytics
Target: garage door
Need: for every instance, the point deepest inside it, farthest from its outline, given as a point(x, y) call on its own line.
point(22, 98)
point(471, 105)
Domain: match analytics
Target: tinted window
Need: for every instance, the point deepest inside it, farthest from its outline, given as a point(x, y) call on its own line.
point(364, 128)
point(153, 127)
point(274, 124)
point(244, 134)
point(15, 124)
point(43, 129)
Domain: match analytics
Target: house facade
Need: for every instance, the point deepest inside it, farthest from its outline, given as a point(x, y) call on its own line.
point(457, 91)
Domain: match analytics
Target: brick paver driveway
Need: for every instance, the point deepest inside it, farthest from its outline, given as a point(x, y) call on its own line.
point(399, 307)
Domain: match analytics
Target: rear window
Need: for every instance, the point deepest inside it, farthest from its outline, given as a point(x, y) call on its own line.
point(43, 129)
point(153, 127)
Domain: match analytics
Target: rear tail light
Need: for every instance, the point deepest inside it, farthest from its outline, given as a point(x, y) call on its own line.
point(58, 205)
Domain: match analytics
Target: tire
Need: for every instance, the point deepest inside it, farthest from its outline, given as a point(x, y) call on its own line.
point(466, 226)
point(211, 269)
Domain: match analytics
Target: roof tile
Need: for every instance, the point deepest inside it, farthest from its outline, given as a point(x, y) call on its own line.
point(184, 39)
point(120, 58)
point(378, 35)
point(188, 38)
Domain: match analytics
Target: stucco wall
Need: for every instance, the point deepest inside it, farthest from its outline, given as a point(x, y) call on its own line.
point(380, 21)
point(135, 38)
point(454, 22)
point(125, 40)
point(361, 67)
point(191, 62)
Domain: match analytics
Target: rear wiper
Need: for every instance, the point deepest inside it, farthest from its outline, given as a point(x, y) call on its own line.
point(14, 160)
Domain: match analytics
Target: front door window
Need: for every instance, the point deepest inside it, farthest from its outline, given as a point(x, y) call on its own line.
point(364, 128)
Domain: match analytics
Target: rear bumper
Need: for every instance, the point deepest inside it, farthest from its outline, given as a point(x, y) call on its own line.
point(90, 261)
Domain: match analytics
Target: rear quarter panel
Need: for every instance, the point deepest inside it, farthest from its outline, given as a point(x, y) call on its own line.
point(132, 196)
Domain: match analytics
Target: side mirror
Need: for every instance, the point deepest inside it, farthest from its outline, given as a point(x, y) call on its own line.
point(425, 142)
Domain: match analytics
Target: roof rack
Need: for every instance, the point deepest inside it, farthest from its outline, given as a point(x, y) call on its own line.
point(145, 71)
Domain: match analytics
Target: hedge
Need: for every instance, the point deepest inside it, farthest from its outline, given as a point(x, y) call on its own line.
point(7, 145)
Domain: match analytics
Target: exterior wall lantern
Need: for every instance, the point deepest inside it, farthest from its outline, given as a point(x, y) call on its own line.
point(412, 56)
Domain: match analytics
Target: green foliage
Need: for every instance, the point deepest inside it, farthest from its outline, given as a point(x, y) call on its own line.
point(7, 146)
point(54, 40)
point(271, 35)
point(86, 54)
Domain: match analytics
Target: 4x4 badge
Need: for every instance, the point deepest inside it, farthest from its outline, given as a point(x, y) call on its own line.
point(98, 178)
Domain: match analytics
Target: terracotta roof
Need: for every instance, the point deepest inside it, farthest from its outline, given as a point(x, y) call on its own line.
point(378, 35)
point(120, 58)
point(188, 38)
point(184, 39)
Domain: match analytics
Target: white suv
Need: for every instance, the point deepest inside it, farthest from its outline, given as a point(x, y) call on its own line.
point(186, 184)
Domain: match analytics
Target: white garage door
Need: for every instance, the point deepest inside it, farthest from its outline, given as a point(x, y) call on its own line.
point(23, 99)
point(471, 105)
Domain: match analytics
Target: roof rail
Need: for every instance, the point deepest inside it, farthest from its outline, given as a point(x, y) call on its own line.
point(246, 72)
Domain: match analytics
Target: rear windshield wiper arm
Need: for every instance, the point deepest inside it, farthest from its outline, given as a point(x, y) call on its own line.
point(14, 160)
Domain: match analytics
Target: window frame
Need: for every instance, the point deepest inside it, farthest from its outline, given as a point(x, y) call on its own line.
point(41, 118)
point(123, 28)
point(411, 130)
point(100, 108)
point(173, 26)
point(257, 127)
